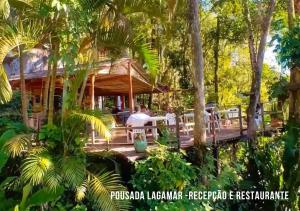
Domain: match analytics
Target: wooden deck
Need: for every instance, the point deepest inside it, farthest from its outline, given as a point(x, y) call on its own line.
point(119, 141)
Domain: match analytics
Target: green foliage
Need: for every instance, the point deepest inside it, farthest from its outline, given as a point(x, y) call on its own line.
point(268, 160)
point(43, 196)
point(100, 187)
point(11, 109)
point(168, 138)
point(184, 205)
point(3, 139)
point(163, 170)
point(50, 134)
point(280, 89)
point(291, 164)
point(288, 47)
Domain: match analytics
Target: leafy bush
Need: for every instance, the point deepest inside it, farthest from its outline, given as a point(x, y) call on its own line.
point(12, 109)
point(288, 47)
point(163, 171)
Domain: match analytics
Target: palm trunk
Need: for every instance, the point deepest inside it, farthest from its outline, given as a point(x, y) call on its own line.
point(23, 88)
point(82, 89)
point(53, 80)
point(198, 79)
point(257, 59)
point(294, 96)
point(65, 103)
point(46, 90)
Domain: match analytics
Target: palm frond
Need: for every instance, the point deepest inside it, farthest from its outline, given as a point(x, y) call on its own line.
point(52, 179)
point(100, 188)
point(6, 136)
point(20, 4)
point(153, 8)
point(13, 36)
point(92, 5)
point(4, 8)
point(150, 58)
point(103, 123)
point(116, 39)
point(81, 191)
point(73, 169)
point(35, 167)
point(5, 88)
point(17, 144)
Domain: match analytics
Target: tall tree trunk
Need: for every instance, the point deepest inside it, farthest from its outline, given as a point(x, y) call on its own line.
point(291, 13)
point(257, 58)
point(53, 80)
point(24, 99)
point(198, 79)
point(294, 96)
point(216, 58)
point(65, 102)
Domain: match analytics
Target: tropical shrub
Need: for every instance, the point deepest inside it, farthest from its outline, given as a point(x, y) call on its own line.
point(11, 110)
point(54, 170)
point(162, 170)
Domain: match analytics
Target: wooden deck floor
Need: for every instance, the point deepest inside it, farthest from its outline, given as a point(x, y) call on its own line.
point(119, 141)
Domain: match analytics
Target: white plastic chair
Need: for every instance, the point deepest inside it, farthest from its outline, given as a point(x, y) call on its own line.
point(131, 133)
point(171, 121)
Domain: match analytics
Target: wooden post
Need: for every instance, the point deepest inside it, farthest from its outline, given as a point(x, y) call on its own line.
point(92, 93)
point(122, 103)
point(240, 119)
point(177, 131)
point(130, 93)
point(214, 142)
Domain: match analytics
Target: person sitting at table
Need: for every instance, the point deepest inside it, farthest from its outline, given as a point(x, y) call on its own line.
point(145, 110)
point(258, 116)
point(170, 116)
point(138, 117)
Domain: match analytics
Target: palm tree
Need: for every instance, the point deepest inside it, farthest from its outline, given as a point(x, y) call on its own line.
point(17, 39)
point(60, 158)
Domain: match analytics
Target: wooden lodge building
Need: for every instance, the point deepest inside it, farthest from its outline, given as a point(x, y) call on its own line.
point(124, 79)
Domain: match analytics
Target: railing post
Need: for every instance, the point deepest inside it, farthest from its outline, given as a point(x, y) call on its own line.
point(177, 131)
point(240, 119)
point(107, 145)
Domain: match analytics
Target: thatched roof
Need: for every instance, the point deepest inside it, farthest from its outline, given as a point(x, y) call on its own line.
point(112, 77)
